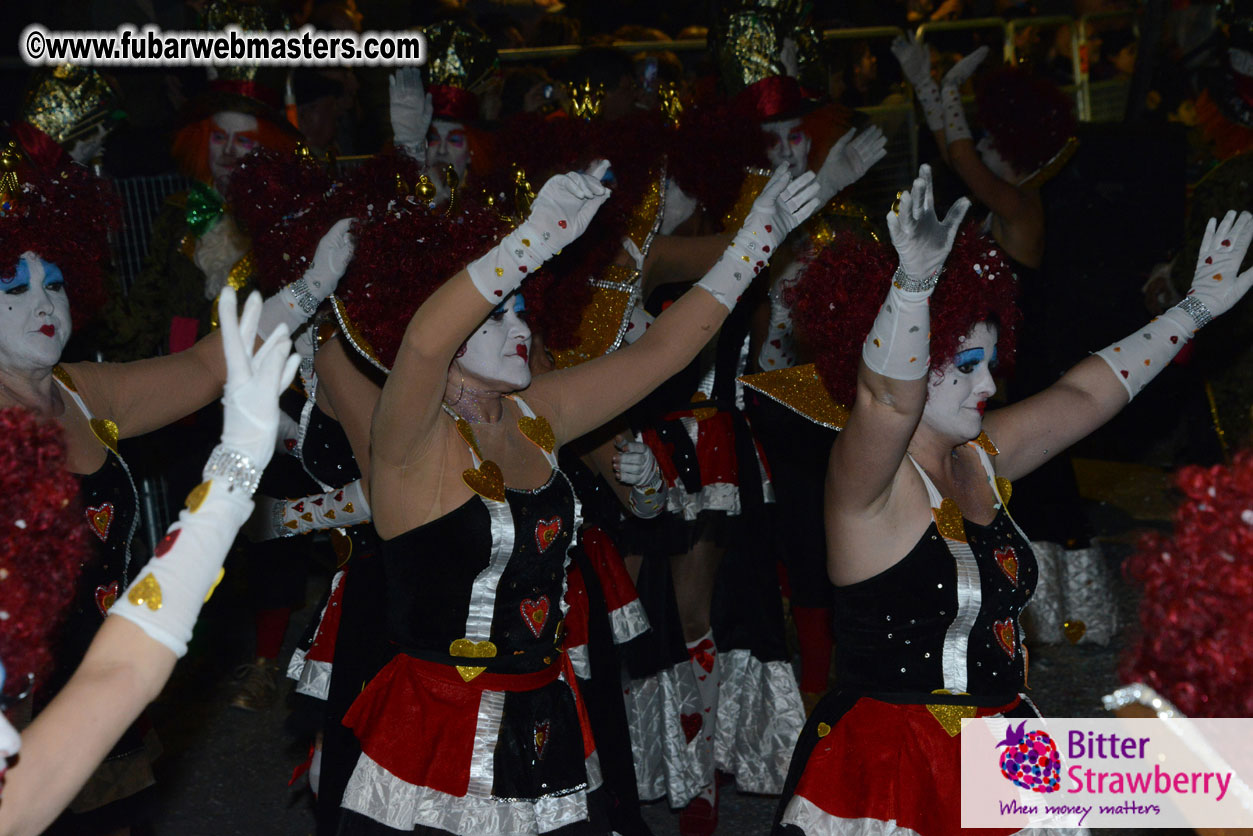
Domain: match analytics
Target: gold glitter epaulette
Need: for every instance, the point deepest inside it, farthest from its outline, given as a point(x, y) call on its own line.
point(800, 390)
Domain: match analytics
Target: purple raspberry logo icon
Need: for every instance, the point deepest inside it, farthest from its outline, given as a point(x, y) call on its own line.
point(1030, 759)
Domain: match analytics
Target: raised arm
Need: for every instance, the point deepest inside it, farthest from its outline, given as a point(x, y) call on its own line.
point(892, 378)
point(1031, 432)
point(586, 396)
point(410, 402)
point(915, 60)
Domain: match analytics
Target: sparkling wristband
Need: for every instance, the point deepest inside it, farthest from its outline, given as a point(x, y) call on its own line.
point(304, 297)
point(1196, 309)
point(278, 514)
point(910, 285)
point(234, 468)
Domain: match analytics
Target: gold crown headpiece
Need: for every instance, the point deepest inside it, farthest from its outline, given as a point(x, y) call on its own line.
point(587, 98)
point(67, 102)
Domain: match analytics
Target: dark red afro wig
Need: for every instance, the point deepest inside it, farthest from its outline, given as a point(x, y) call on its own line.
point(43, 543)
point(1196, 617)
point(837, 297)
point(63, 215)
point(1028, 118)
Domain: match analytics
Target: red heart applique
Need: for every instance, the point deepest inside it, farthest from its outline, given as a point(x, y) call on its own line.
point(535, 613)
point(1124, 373)
point(777, 343)
point(105, 596)
point(339, 496)
point(1209, 259)
point(769, 228)
point(1006, 636)
point(541, 737)
point(1174, 339)
point(1007, 559)
point(691, 725)
point(100, 518)
point(290, 444)
point(167, 543)
point(318, 502)
point(299, 507)
point(703, 654)
point(546, 531)
point(561, 224)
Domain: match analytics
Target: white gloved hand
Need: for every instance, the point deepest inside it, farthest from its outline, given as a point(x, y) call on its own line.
point(411, 111)
point(634, 464)
point(783, 205)
point(921, 239)
point(914, 57)
point(849, 159)
point(187, 564)
point(560, 213)
point(1218, 283)
point(961, 72)
point(254, 381)
point(296, 302)
point(955, 125)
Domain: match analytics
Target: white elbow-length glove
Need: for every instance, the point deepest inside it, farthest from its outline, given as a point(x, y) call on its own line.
point(187, 564)
point(560, 213)
point(899, 343)
point(783, 205)
point(296, 302)
point(411, 111)
point(335, 508)
point(915, 59)
point(1217, 285)
point(955, 125)
point(635, 465)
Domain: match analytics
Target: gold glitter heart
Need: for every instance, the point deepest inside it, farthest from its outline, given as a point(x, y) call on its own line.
point(467, 435)
point(196, 498)
point(1004, 489)
point(1074, 630)
point(486, 480)
point(347, 507)
point(106, 431)
point(307, 517)
point(146, 592)
point(538, 432)
point(330, 513)
point(341, 544)
point(986, 443)
point(473, 650)
point(64, 377)
point(823, 730)
point(950, 716)
point(948, 520)
point(213, 587)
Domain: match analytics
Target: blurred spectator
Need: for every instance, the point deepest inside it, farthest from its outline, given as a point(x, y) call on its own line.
point(556, 30)
point(326, 106)
point(531, 90)
point(336, 16)
point(1119, 48)
point(854, 73)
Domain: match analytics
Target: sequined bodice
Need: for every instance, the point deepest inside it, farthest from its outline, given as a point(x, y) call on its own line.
point(908, 628)
point(493, 570)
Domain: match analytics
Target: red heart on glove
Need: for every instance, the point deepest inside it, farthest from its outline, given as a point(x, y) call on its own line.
point(561, 224)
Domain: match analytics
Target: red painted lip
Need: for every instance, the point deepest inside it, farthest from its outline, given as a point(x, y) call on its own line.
point(48, 330)
point(522, 352)
point(981, 406)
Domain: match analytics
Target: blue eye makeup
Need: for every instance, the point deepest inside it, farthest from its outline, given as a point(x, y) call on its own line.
point(52, 276)
point(968, 359)
point(515, 303)
point(20, 280)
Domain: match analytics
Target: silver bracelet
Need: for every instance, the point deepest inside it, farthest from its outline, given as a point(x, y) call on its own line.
point(1196, 309)
point(277, 515)
point(910, 285)
point(234, 468)
point(304, 297)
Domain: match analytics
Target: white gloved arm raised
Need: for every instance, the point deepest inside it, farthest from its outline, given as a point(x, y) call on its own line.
point(955, 125)
point(560, 213)
point(1217, 285)
point(783, 205)
point(296, 302)
point(167, 596)
point(915, 60)
point(635, 465)
point(411, 111)
point(849, 159)
point(898, 345)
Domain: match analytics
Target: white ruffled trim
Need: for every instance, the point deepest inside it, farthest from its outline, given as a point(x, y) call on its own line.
point(666, 765)
point(579, 661)
point(628, 621)
point(314, 680)
point(296, 664)
point(760, 717)
point(377, 794)
point(814, 821)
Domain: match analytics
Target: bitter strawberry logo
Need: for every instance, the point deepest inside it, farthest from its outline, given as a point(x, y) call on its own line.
point(1031, 760)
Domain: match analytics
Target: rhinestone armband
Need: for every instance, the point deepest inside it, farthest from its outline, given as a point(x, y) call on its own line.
point(304, 297)
point(234, 468)
point(1196, 309)
point(905, 283)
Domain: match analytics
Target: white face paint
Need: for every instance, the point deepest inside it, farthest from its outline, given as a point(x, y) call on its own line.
point(10, 740)
point(34, 315)
point(448, 144)
point(956, 400)
point(787, 144)
point(232, 137)
point(995, 162)
point(495, 357)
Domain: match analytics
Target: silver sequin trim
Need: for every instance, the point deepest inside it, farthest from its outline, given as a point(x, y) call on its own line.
point(234, 468)
point(1196, 309)
point(922, 285)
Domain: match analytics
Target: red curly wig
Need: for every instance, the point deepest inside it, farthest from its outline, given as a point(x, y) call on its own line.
point(1028, 118)
point(191, 145)
point(64, 215)
point(1196, 617)
point(43, 545)
point(837, 297)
